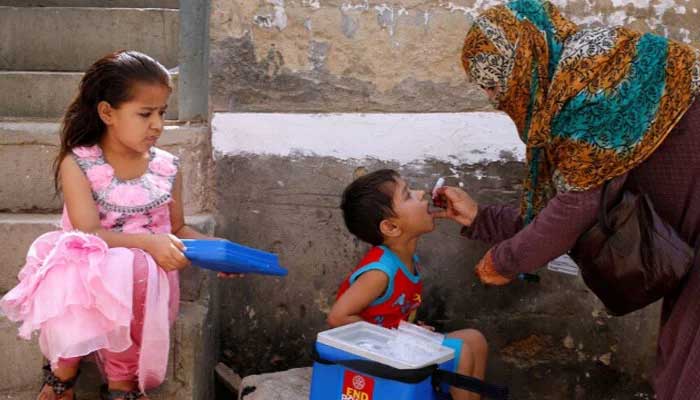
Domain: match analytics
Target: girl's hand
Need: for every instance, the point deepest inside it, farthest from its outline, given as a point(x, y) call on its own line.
point(460, 206)
point(167, 250)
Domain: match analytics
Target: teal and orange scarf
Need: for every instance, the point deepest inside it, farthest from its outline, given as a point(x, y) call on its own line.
point(590, 104)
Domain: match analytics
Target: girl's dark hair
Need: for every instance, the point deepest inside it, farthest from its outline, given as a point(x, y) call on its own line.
point(366, 202)
point(109, 79)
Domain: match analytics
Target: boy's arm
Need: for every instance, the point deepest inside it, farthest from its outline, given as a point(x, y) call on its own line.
point(367, 288)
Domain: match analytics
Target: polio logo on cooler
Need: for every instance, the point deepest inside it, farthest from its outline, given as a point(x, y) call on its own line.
point(358, 382)
point(357, 387)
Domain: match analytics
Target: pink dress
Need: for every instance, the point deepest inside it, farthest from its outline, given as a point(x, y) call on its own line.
point(79, 293)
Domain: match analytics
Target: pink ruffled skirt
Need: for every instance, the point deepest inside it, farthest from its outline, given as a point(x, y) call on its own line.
point(78, 293)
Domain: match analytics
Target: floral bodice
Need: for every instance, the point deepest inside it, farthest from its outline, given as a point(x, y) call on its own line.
point(139, 205)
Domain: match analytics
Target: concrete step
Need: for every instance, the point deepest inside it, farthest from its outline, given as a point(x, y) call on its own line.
point(18, 231)
point(71, 39)
point(93, 3)
point(33, 94)
point(22, 360)
point(19, 394)
point(27, 150)
point(293, 384)
point(193, 357)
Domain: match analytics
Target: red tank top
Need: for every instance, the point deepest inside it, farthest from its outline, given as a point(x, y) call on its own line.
point(402, 296)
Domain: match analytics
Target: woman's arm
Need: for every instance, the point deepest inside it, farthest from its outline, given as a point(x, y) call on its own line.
point(83, 214)
point(552, 233)
point(494, 223)
point(520, 248)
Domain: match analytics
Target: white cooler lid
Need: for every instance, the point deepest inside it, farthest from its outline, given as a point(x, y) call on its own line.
point(372, 342)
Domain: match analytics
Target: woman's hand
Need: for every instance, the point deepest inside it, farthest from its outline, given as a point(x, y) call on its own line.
point(460, 206)
point(487, 273)
point(168, 251)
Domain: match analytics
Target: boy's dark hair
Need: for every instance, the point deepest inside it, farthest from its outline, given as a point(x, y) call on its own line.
point(366, 202)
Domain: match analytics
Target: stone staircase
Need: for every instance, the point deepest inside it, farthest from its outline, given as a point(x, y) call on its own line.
point(44, 47)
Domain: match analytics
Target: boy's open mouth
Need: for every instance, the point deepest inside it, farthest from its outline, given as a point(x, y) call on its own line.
point(432, 210)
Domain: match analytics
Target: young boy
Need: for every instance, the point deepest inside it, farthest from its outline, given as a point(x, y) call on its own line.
point(385, 287)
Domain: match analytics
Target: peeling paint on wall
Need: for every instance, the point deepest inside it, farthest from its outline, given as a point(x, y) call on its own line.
point(277, 19)
point(312, 3)
point(362, 6)
point(685, 35)
point(378, 45)
point(636, 3)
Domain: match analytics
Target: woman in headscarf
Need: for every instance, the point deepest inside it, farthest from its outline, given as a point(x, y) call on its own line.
point(591, 105)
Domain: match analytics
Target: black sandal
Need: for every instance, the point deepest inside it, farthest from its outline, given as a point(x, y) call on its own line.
point(58, 386)
point(106, 394)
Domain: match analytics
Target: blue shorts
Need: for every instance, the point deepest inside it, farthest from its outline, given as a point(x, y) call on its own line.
point(456, 345)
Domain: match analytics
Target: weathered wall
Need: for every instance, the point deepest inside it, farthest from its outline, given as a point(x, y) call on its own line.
point(278, 188)
point(279, 179)
point(392, 56)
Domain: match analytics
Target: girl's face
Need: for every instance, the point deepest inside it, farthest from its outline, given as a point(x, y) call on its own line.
point(137, 124)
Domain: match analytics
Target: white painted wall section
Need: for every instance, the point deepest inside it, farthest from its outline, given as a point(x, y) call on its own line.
point(456, 138)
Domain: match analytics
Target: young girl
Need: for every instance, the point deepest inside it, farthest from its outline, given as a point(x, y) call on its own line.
point(108, 281)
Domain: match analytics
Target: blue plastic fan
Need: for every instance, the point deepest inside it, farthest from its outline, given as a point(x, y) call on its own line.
point(229, 257)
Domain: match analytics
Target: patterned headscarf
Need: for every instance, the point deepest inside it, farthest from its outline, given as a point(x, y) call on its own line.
point(590, 104)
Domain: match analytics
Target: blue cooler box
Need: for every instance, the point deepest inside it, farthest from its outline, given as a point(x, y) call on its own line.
point(364, 342)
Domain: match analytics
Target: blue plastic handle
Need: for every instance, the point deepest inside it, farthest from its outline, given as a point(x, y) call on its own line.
point(229, 257)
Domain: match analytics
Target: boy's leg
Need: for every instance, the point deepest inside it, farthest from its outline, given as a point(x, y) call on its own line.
point(472, 359)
